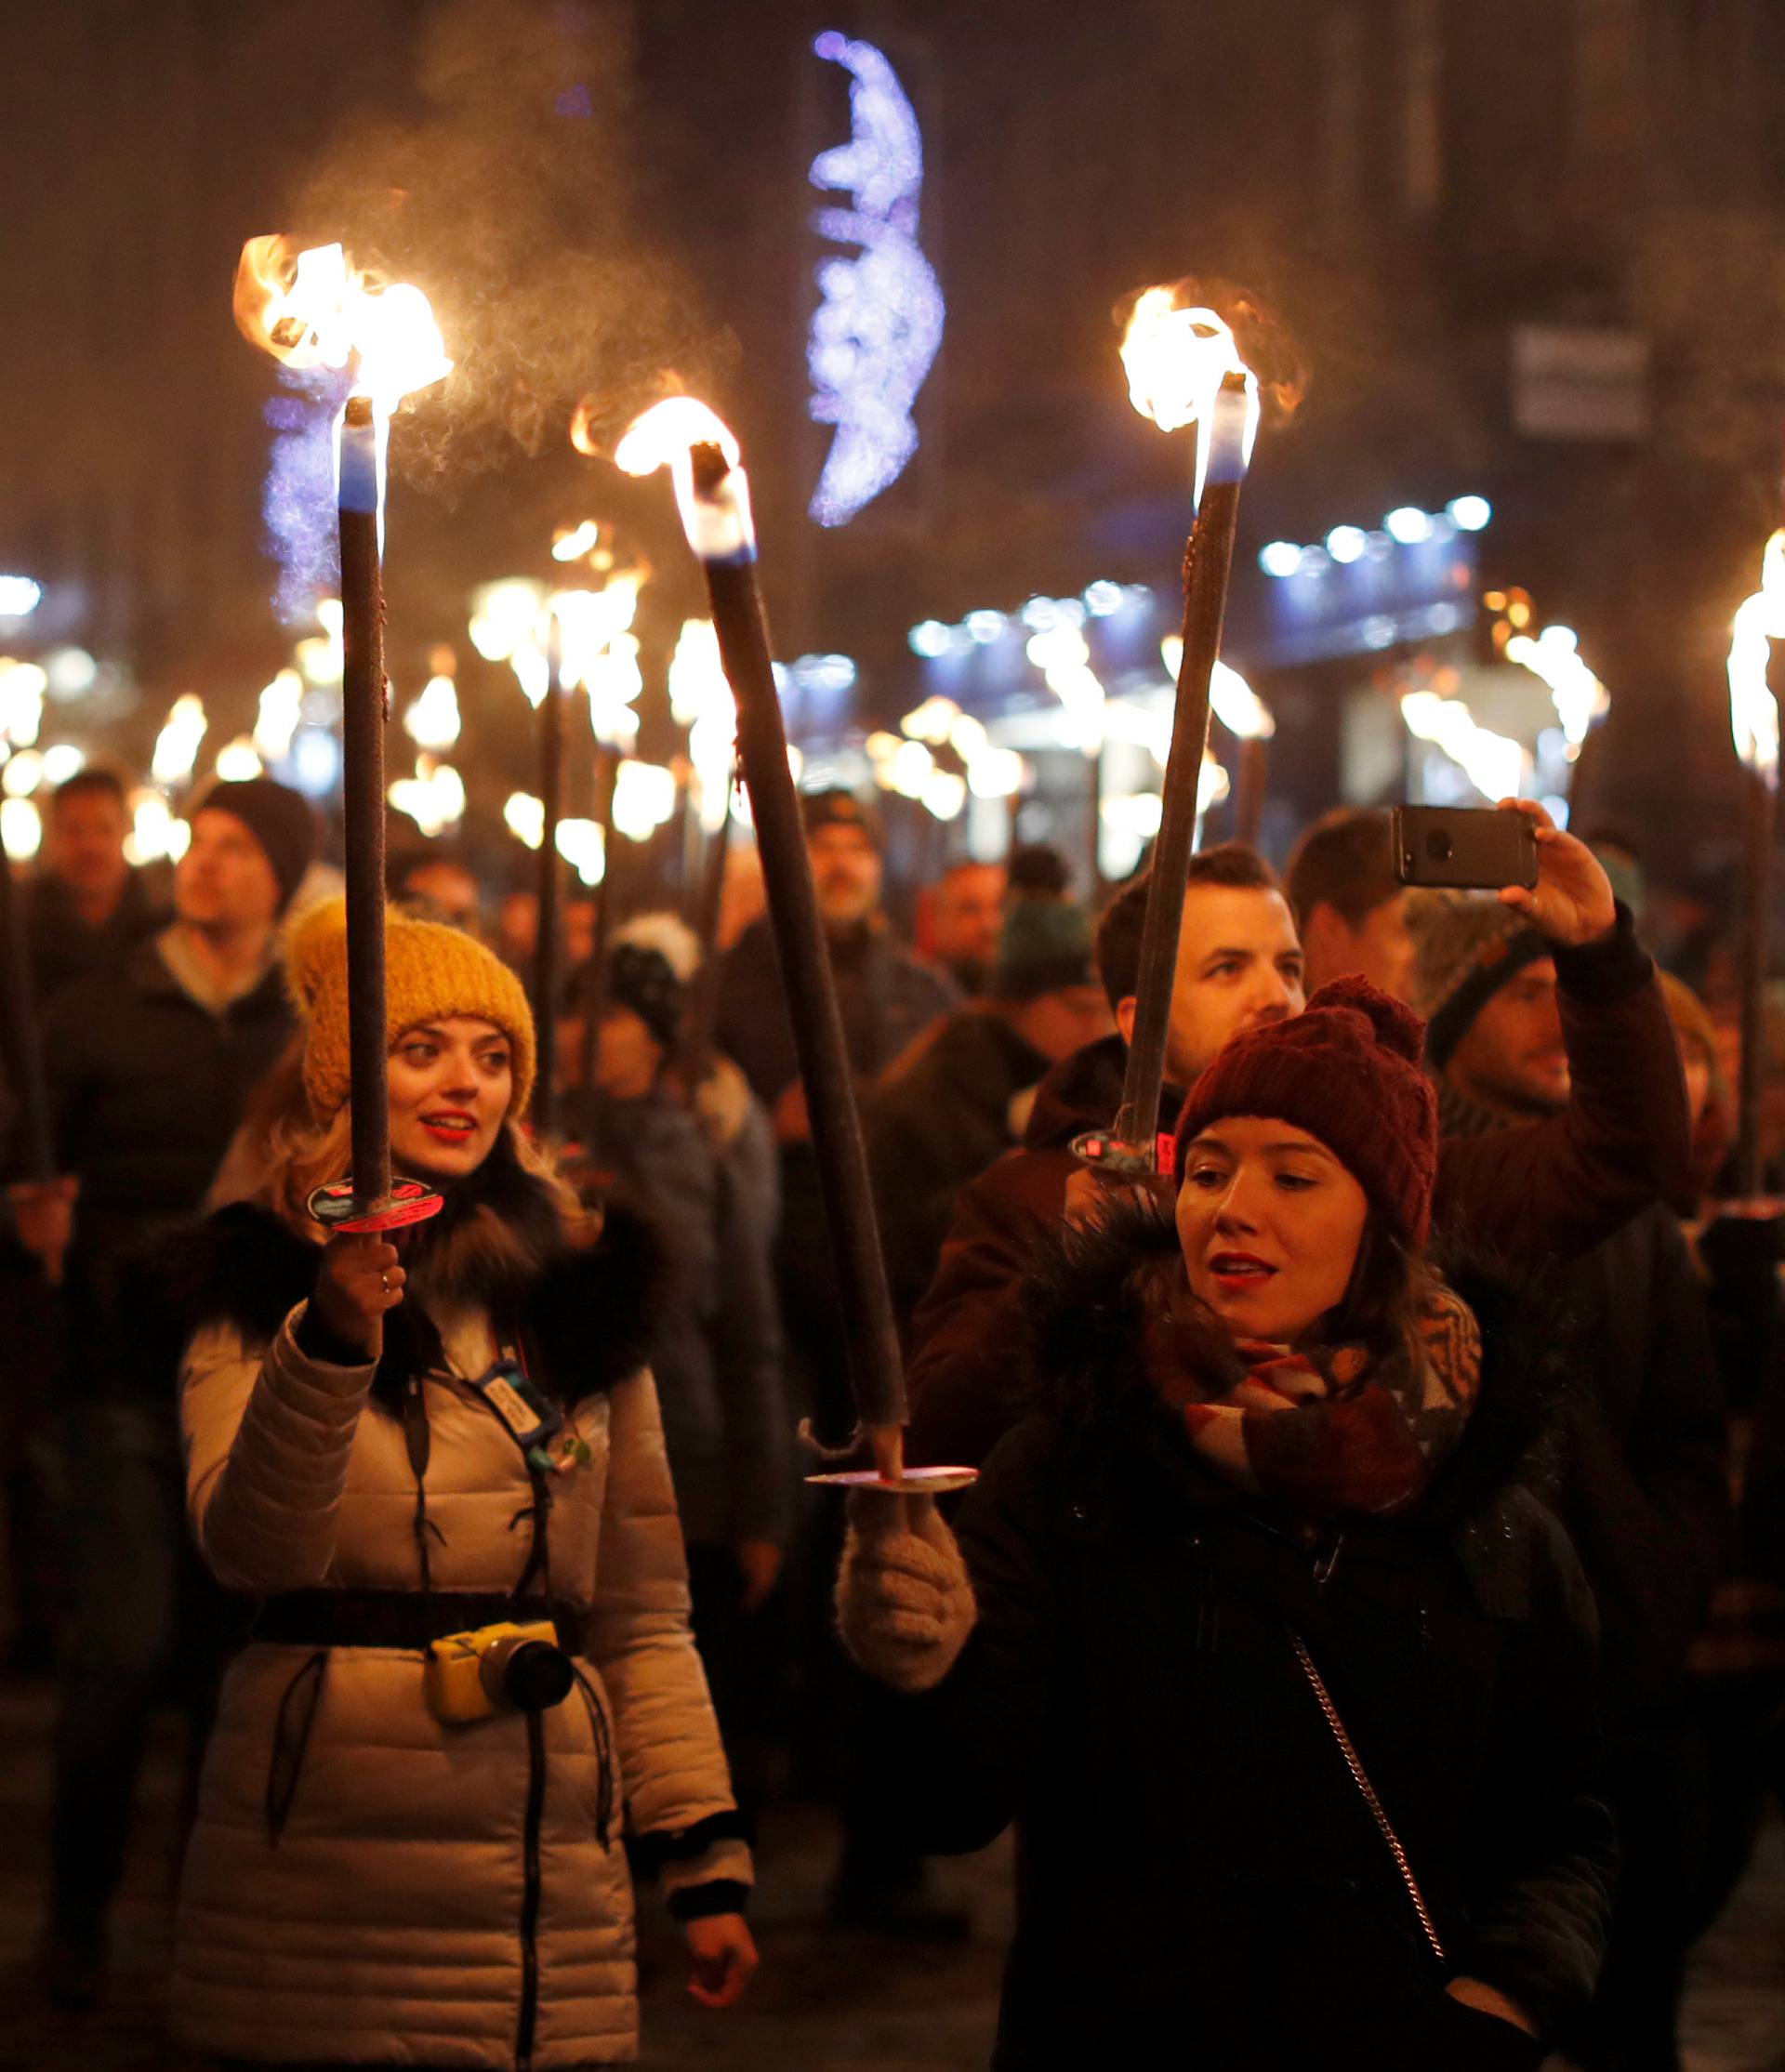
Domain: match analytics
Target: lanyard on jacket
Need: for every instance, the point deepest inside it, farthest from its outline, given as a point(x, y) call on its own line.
point(526, 1416)
point(530, 1419)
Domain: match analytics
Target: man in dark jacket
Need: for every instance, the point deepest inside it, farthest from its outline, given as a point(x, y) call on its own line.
point(888, 999)
point(1239, 965)
point(148, 1065)
point(1638, 1473)
point(86, 907)
point(962, 1100)
point(1547, 1190)
point(83, 909)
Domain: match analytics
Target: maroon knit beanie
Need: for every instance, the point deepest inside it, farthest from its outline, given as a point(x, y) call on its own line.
point(1347, 1070)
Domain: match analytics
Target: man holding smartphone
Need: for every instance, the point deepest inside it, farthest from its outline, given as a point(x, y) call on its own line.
point(1547, 1189)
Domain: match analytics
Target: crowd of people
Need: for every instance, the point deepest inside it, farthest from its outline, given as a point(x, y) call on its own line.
point(1371, 1612)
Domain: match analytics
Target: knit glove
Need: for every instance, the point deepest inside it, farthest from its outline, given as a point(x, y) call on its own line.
point(905, 1605)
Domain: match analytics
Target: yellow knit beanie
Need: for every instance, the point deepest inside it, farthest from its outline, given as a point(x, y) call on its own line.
point(430, 972)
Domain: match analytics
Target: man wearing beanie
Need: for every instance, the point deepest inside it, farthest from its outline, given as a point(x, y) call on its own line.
point(887, 999)
point(1639, 1477)
point(963, 1100)
point(150, 1066)
point(1547, 1190)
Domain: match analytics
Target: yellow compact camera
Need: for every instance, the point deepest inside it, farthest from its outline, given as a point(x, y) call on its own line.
point(497, 1668)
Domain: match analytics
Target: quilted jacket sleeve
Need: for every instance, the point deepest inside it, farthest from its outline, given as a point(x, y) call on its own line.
point(678, 1788)
point(267, 1440)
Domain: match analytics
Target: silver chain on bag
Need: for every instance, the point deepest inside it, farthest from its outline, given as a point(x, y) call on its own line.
point(1354, 1763)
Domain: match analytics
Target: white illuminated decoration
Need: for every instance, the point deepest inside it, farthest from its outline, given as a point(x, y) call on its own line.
point(876, 329)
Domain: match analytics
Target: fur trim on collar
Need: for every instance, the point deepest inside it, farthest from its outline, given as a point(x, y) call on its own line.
point(583, 1317)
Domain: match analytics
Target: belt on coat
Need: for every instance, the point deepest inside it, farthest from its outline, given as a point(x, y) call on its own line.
point(404, 1618)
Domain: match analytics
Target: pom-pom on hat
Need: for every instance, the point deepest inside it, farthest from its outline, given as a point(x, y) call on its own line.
point(654, 958)
point(431, 971)
point(1347, 1070)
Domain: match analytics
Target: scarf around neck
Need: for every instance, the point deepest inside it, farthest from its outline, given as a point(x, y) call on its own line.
point(1334, 1430)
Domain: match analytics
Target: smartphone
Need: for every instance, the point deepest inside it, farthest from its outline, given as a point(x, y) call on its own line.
point(1464, 846)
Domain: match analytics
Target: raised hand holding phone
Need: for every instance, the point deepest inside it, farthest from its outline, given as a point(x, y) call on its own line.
point(1572, 903)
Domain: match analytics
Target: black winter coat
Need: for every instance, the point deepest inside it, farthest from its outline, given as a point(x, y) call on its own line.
point(64, 949)
point(886, 997)
point(147, 1087)
point(933, 1127)
point(1195, 1858)
point(1641, 1483)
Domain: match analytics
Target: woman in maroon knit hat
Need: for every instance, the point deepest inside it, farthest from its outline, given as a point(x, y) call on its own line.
point(1286, 1685)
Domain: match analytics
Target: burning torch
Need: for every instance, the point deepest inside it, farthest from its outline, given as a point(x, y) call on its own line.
point(1753, 720)
point(312, 309)
point(713, 494)
point(1253, 724)
point(701, 700)
point(1183, 367)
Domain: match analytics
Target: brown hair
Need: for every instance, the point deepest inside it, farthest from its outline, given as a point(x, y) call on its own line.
point(1344, 861)
point(95, 780)
point(1236, 865)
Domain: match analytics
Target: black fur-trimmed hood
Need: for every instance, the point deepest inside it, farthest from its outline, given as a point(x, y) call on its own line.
point(1091, 1294)
point(583, 1316)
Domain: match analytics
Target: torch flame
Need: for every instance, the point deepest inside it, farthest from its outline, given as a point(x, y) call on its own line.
point(1176, 360)
point(312, 309)
point(176, 750)
point(22, 686)
point(432, 721)
point(1753, 710)
point(433, 797)
point(700, 699)
point(662, 436)
point(1063, 656)
point(238, 760)
point(717, 520)
point(598, 651)
point(573, 542)
point(644, 799)
point(1492, 762)
point(281, 708)
point(1238, 706)
point(1580, 700)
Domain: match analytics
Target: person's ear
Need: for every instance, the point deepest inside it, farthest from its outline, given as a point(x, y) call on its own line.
point(1327, 939)
point(1125, 1011)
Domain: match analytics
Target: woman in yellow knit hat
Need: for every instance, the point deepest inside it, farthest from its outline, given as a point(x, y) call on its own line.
point(438, 1465)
